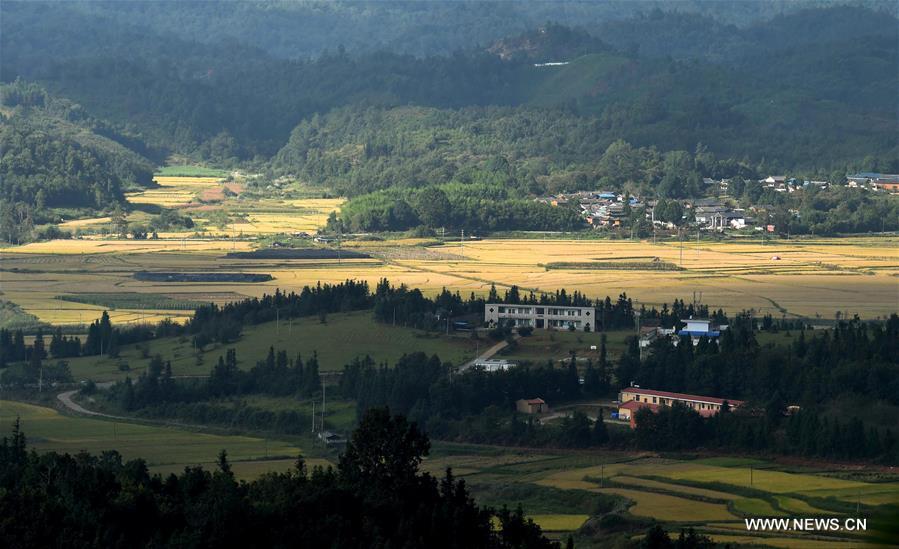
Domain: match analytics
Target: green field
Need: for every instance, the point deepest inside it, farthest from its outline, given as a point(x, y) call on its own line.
point(165, 449)
point(133, 300)
point(342, 338)
point(543, 345)
point(715, 493)
point(190, 171)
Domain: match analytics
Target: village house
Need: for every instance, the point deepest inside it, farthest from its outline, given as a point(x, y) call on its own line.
point(531, 406)
point(701, 327)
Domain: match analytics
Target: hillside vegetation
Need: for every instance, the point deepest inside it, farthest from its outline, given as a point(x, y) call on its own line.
point(768, 97)
point(55, 154)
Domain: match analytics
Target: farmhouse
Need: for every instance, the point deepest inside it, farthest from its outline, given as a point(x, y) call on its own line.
point(635, 398)
point(531, 406)
point(701, 327)
point(540, 316)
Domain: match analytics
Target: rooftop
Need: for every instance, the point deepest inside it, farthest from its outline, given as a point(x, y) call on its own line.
point(633, 405)
point(682, 396)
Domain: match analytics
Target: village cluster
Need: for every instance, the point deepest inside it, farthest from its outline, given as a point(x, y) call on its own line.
point(630, 399)
point(608, 209)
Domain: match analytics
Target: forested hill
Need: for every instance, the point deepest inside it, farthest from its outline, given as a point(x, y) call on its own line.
point(683, 35)
point(812, 90)
point(55, 154)
point(307, 28)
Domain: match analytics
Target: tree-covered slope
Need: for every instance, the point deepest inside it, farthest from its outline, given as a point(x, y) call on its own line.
point(307, 28)
point(54, 154)
point(682, 35)
point(808, 90)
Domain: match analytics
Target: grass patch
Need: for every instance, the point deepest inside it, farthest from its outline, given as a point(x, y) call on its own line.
point(48, 430)
point(544, 500)
point(298, 253)
point(190, 171)
point(755, 507)
point(133, 300)
point(673, 489)
point(338, 341)
point(545, 345)
point(339, 414)
point(670, 508)
point(13, 317)
point(612, 266)
point(797, 507)
point(560, 523)
point(217, 277)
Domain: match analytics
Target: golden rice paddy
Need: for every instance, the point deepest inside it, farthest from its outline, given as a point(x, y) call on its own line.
point(811, 278)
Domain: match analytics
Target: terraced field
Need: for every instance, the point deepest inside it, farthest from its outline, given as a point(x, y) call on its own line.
point(718, 497)
point(173, 191)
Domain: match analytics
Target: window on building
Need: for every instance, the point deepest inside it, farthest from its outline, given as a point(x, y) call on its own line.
point(654, 400)
point(539, 310)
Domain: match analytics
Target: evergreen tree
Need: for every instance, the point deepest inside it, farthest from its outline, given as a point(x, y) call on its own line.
point(600, 433)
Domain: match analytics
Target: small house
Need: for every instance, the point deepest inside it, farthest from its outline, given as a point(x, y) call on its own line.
point(531, 406)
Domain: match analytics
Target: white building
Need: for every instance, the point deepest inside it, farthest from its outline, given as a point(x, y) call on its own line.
point(701, 327)
point(494, 364)
point(541, 316)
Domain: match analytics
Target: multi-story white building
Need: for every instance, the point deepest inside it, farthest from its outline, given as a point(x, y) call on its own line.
point(541, 316)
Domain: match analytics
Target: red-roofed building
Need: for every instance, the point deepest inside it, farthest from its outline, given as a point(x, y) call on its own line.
point(627, 410)
point(531, 406)
point(634, 398)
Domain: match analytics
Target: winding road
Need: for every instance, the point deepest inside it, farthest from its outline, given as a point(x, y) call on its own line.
point(66, 399)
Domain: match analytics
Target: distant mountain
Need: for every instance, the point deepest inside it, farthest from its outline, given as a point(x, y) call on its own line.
point(308, 28)
point(812, 88)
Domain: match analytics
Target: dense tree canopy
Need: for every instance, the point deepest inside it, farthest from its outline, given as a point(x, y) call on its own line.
point(376, 494)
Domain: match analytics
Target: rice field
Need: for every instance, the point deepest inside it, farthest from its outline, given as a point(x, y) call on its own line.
point(670, 508)
point(173, 191)
point(560, 523)
point(813, 278)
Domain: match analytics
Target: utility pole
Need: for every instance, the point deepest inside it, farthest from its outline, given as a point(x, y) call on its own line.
point(462, 244)
point(313, 417)
point(323, 406)
point(697, 240)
